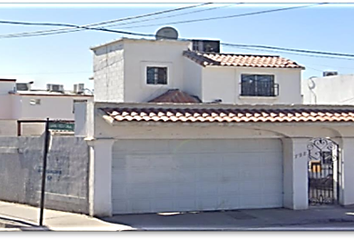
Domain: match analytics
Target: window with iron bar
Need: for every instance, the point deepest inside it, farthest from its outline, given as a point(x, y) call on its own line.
point(156, 75)
point(258, 85)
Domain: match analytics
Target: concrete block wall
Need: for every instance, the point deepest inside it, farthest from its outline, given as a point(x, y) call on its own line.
point(67, 172)
point(108, 66)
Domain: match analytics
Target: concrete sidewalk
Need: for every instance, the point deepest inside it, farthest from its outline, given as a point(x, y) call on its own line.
point(18, 217)
point(257, 219)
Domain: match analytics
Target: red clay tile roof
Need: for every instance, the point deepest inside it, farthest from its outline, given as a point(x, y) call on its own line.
point(240, 60)
point(175, 96)
point(185, 114)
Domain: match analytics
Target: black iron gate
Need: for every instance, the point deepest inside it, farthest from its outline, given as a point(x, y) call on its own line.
point(323, 171)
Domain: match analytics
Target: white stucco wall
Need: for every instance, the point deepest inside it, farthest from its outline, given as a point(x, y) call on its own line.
point(192, 78)
point(224, 83)
point(53, 107)
point(329, 90)
point(6, 107)
point(108, 67)
point(6, 86)
point(139, 55)
point(5, 99)
point(120, 69)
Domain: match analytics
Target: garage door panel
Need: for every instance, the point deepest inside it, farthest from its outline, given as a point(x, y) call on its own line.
point(185, 161)
point(161, 190)
point(209, 188)
point(189, 175)
point(185, 190)
point(186, 204)
point(208, 203)
point(206, 175)
point(162, 205)
point(185, 176)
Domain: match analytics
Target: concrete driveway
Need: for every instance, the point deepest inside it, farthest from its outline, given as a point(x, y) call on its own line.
point(255, 219)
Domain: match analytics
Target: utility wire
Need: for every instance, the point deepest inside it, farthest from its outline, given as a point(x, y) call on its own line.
point(69, 29)
point(174, 15)
point(304, 54)
point(289, 49)
point(184, 39)
point(230, 16)
point(123, 32)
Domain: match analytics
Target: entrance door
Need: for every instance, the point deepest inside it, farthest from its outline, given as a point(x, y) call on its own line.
point(322, 171)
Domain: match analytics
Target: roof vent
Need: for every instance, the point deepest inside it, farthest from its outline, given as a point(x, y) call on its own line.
point(330, 73)
point(55, 88)
point(23, 86)
point(79, 88)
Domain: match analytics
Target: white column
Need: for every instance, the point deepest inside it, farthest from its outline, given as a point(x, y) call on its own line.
point(295, 175)
point(100, 177)
point(347, 186)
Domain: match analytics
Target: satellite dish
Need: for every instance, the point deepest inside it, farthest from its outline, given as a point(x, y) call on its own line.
point(166, 33)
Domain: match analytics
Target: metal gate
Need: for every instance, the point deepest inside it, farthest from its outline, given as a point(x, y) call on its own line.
point(323, 171)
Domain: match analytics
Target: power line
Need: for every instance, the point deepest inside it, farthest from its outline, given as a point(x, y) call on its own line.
point(291, 53)
point(230, 16)
point(69, 29)
point(290, 49)
point(125, 32)
point(225, 44)
point(174, 15)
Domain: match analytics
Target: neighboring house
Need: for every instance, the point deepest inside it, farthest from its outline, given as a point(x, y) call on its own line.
point(175, 130)
point(20, 102)
point(333, 89)
point(139, 70)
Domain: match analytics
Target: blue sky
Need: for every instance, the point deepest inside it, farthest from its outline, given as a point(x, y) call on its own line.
point(66, 58)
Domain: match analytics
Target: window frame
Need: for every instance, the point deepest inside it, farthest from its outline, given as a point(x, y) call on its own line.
point(143, 74)
point(272, 92)
point(156, 73)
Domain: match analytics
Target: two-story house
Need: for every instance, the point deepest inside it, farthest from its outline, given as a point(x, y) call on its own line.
point(178, 127)
point(139, 70)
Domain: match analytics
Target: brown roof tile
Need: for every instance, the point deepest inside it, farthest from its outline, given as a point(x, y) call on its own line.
point(185, 114)
point(175, 96)
point(240, 60)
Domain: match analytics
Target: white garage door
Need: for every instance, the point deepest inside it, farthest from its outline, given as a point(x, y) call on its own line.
point(195, 175)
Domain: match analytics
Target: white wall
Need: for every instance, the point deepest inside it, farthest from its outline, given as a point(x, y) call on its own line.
point(108, 67)
point(192, 78)
point(53, 107)
point(5, 99)
point(6, 86)
point(219, 83)
point(329, 90)
point(224, 83)
point(80, 112)
point(5, 107)
point(139, 55)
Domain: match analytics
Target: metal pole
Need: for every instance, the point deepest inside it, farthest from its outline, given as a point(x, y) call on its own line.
point(44, 170)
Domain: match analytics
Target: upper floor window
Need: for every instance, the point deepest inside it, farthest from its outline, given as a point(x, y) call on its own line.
point(258, 85)
point(156, 75)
